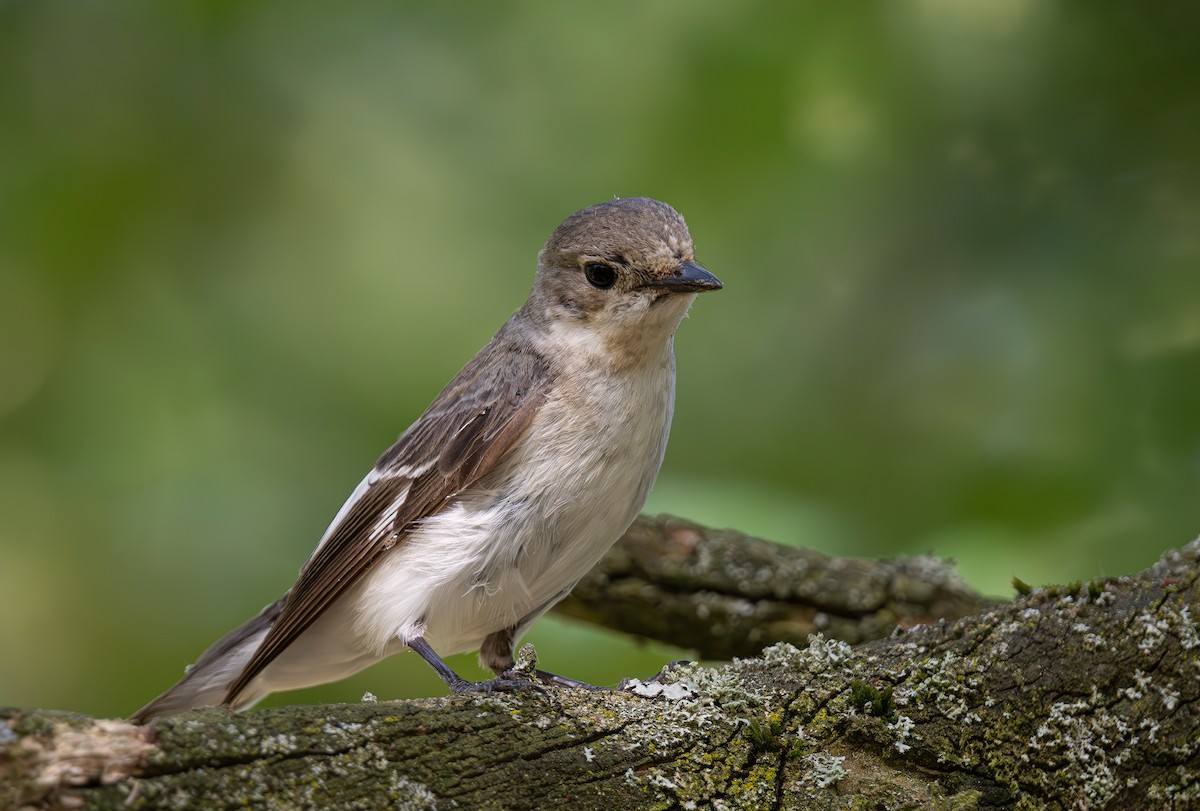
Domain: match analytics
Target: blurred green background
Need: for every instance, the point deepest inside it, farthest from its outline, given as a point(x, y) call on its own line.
point(243, 244)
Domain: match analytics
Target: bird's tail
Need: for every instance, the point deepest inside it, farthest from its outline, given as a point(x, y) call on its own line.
point(205, 683)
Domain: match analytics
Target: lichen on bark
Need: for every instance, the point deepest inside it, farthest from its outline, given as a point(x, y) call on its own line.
point(1074, 697)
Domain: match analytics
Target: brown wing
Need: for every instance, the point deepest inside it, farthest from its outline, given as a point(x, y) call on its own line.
point(467, 429)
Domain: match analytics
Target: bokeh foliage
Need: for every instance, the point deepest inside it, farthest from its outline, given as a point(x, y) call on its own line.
point(243, 244)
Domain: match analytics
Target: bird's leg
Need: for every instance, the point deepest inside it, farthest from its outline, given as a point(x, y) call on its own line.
point(496, 653)
point(456, 683)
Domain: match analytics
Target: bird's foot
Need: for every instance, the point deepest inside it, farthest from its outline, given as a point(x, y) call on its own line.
point(547, 677)
point(505, 683)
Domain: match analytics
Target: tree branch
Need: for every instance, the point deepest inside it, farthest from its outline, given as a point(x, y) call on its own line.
point(725, 594)
point(1085, 696)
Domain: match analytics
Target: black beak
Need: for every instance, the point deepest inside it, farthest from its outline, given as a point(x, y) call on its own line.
point(687, 278)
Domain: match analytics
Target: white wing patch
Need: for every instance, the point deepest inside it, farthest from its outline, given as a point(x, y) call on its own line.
point(388, 516)
point(386, 525)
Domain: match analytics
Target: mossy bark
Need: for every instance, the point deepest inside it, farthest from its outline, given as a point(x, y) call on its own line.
point(724, 594)
point(1068, 698)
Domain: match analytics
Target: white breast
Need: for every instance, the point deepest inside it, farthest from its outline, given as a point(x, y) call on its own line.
point(519, 539)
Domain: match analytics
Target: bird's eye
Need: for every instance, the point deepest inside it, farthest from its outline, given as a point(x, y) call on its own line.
point(600, 275)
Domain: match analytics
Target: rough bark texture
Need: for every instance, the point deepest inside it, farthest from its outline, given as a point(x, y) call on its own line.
point(1076, 697)
point(725, 594)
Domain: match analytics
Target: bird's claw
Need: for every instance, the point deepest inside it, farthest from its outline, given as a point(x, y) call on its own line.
point(500, 684)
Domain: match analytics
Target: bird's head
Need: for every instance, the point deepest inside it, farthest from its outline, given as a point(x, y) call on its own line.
point(623, 271)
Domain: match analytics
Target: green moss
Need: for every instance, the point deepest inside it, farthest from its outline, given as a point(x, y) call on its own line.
point(871, 701)
point(764, 736)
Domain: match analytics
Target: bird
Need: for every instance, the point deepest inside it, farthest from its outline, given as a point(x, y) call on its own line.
point(522, 472)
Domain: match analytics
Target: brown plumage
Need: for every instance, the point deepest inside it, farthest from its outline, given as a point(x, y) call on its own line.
point(472, 524)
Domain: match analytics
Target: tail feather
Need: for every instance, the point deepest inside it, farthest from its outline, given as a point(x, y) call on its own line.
point(205, 683)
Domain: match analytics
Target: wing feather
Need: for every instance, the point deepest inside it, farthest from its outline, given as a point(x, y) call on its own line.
point(462, 436)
